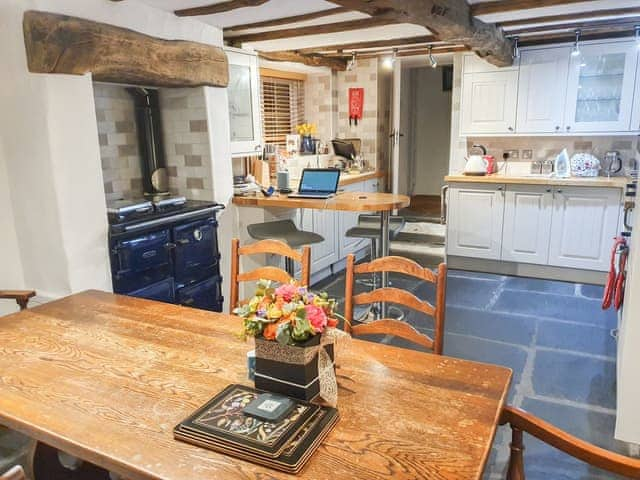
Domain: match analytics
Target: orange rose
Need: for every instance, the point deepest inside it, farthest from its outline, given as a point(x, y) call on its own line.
point(332, 322)
point(269, 332)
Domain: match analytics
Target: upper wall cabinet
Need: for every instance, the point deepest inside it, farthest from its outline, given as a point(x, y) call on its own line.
point(600, 88)
point(489, 102)
point(635, 113)
point(542, 89)
point(244, 103)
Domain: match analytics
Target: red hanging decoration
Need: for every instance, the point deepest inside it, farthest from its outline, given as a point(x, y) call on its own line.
point(356, 104)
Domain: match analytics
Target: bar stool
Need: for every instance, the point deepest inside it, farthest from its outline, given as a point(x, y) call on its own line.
point(369, 227)
point(287, 232)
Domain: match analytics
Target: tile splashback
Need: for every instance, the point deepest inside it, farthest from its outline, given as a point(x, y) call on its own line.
point(543, 148)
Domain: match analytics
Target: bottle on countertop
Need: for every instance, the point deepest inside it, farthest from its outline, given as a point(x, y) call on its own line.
point(561, 164)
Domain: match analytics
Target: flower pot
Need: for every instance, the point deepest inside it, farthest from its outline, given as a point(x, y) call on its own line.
point(288, 369)
point(307, 144)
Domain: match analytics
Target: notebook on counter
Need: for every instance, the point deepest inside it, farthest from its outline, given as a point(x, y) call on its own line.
point(223, 425)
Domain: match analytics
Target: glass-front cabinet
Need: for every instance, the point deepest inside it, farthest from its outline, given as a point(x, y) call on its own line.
point(243, 91)
point(601, 87)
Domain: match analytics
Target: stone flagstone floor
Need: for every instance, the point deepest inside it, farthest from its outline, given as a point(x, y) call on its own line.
point(557, 340)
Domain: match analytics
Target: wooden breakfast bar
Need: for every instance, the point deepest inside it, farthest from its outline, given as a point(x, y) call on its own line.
point(107, 377)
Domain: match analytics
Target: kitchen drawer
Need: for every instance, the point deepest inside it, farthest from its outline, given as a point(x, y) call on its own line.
point(206, 295)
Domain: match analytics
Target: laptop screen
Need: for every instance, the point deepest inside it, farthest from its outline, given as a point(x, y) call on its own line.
point(319, 180)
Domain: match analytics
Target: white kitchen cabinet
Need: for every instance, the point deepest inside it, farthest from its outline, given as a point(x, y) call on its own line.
point(635, 109)
point(245, 127)
point(323, 254)
point(600, 87)
point(584, 222)
point(527, 223)
point(542, 89)
point(347, 220)
point(488, 103)
point(475, 216)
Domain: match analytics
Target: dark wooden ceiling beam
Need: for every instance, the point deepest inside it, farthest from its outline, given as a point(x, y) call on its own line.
point(287, 20)
point(371, 44)
point(218, 7)
point(502, 6)
point(449, 20)
point(311, 59)
point(311, 30)
point(619, 23)
point(567, 17)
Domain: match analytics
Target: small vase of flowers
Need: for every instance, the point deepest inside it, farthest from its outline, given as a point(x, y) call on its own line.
point(289, 324)
point(306, 130)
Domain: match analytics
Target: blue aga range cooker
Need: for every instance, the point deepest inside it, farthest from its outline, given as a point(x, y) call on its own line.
point(166, 250)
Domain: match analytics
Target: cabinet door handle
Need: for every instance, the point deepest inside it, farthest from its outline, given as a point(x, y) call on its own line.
point(559, 191)
point(557, 127)
point(510, 129)
point(548, 190)
point(568, 127)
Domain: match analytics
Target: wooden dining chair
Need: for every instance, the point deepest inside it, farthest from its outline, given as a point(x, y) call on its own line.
point(274, 247)
point(388, 326)
point(20, 296)
point(522, 421)
point(14, 473)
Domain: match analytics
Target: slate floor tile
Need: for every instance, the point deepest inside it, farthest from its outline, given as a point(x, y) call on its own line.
point(577, 338)
point(505, 327)
point(559, 307)
point(591, 291)
point(463, 291)
point(479, 275)
point(537, 285)
point(579, 378)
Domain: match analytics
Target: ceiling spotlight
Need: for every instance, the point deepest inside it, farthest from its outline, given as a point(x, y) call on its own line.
point(516, 48)
point(351, 64)
point(432, 60)
point(389, 61)
point(637, 29)
point(576, 46)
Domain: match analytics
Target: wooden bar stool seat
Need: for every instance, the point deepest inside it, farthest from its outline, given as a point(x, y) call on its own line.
point(20, 296)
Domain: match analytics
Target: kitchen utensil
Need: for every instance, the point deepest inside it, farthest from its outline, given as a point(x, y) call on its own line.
point(612, 162)
point(476, 164)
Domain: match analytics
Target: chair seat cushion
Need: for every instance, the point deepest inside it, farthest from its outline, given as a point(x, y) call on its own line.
point(285, 231)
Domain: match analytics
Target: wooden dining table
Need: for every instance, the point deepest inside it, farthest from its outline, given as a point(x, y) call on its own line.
point(106, 378)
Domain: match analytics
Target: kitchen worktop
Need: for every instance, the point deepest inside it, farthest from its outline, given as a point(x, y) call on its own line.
point(345, 201)
point(613, 182)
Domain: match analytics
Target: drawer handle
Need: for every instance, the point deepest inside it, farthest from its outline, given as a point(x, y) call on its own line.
point(548, 190)
point(557, 127)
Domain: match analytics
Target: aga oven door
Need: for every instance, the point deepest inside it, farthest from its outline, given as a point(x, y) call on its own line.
point(196, 253)
point(163, 291)
point(206, 295)
point(140, 260)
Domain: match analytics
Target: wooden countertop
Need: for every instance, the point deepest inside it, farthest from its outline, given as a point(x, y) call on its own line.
point(613, 182)
point(106, 378)
point(344, 201)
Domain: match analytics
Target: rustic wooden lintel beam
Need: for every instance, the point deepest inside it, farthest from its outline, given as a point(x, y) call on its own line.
point(309, 59)
point(287, 20)
point(70, 45)
point(449, 20)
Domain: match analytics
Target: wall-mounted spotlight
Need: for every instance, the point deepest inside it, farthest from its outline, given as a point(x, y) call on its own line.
point(516, 48)
point(576, 45)
point(637, 29)
point(388, 62)
point(353, 61)
point(432, 59)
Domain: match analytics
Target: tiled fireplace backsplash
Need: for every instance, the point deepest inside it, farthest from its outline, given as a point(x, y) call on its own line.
point(542, 148)
point(186, 142)
point(118, 142)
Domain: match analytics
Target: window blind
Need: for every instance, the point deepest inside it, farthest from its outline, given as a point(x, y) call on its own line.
point(282, 108)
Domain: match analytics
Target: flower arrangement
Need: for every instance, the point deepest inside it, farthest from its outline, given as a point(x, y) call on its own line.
point(288, 313)
point(306, 129)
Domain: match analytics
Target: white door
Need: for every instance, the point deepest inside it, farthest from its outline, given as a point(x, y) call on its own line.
point(542, 87)
point(489, 102)
point(244, 103)
point(474, 226)
point(635, 112)
point(395, 126)
point(583, 225)
point(527, 224)
point(600, 88)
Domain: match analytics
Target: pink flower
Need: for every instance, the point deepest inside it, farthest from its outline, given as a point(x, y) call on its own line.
point(287, 291)
point(317, 318)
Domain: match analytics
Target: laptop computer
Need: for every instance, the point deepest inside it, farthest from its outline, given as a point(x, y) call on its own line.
point(320, 183)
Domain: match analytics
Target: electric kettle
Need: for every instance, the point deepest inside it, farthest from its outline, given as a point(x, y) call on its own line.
point(476, 164)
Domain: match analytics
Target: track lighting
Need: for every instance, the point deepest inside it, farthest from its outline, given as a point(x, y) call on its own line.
point(516, 48)
point(351, 64)
point(576, 46)
point(432, 60)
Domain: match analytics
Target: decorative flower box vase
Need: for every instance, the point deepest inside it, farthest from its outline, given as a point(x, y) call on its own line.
point(291, 370)
point(307, 145)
